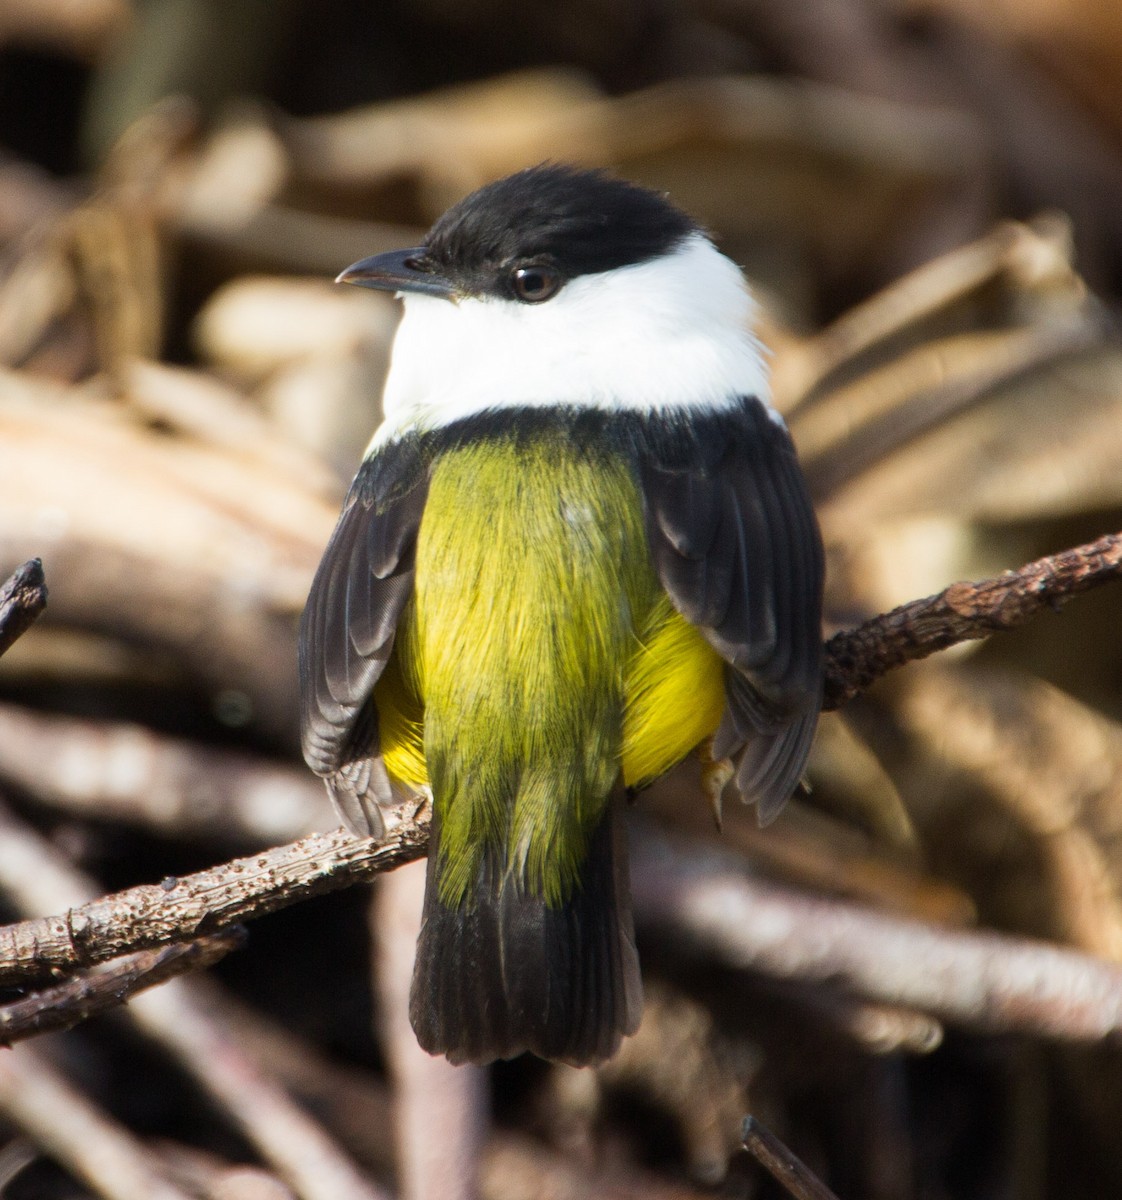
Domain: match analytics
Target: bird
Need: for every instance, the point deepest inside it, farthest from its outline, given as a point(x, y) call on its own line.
point(579, 547)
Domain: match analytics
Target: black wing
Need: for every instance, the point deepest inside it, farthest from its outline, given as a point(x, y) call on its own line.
point(735, 542)
point(347, 632)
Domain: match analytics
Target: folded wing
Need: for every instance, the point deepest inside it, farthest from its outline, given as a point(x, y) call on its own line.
point(347, 633)
point(735, 543)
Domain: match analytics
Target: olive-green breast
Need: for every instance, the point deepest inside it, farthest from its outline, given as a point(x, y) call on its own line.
point(545, 654)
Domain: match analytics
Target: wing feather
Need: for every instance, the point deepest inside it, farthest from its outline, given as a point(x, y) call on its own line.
point(736, 545)
point(347, 634)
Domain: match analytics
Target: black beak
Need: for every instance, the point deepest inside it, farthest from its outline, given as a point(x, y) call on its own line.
point(398, 271)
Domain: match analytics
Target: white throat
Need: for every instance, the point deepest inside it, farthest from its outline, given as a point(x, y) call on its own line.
point(672, 333)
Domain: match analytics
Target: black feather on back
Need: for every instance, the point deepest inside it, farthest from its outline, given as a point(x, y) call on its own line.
point(347, 631)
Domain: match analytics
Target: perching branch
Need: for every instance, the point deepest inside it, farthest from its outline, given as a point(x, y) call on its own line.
point(237, 891)
point(984, 980)
point(22, 598)
point(857, 658)
point(206, 902)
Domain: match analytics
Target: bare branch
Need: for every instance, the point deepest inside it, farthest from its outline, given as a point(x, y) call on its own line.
point(984, 980)
point(22, 598)
point(963, 612)
point(206, 902)
point(68, 1003)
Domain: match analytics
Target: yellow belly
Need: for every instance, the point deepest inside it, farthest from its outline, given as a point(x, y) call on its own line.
point(674, 695)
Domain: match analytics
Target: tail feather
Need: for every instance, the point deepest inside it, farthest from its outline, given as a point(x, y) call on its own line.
point(505, 973)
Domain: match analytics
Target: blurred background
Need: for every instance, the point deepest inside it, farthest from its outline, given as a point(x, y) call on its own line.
point(927, 198)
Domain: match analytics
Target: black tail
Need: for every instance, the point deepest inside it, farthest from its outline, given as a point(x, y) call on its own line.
point(505, 973)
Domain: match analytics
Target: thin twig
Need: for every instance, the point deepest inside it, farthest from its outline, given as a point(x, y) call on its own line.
point(22, 598)
point(782, 1164)
point(963, 612)
point(984, 980)
point(65, 1005)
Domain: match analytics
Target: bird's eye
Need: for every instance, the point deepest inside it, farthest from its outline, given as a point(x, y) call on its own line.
point(532, 285)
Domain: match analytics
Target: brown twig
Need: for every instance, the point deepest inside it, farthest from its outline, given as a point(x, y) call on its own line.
point(984, 980)
point(781, 1163)
point(22, 598)
point(65, 1005)
point(963, 612)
